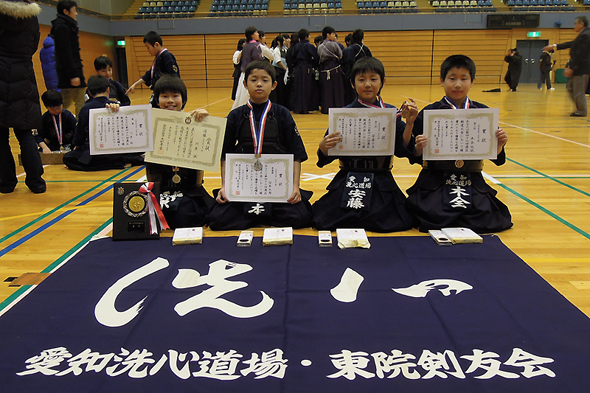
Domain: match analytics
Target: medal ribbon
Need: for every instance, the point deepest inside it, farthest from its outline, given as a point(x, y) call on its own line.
point(154, 63)
point(154, 209)
point(381, 105)
point(467, 104)
point(58, 129)
point(258, 134)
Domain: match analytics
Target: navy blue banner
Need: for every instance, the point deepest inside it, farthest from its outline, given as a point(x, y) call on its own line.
point(405, 315)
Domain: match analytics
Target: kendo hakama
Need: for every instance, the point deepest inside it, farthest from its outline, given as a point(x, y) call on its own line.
point(447, 196)
point(385, 210)
point(280, 137)
point(454, 193)
point(183, 199)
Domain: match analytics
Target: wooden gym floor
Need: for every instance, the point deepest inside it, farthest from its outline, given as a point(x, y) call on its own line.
point(545, 183)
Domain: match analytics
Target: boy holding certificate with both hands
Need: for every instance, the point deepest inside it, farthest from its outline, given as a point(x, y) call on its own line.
point(454, 193)
point(261, 127)
point(184, 201)
point(364, 194)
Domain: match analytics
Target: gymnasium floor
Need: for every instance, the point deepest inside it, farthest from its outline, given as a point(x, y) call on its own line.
point(545, 183)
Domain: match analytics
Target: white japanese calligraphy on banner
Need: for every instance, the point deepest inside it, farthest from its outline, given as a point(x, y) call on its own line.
point(366, 131)
point(468, 134)
point(125, 131)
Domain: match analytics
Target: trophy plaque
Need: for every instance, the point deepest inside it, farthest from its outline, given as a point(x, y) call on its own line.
point(131, 218)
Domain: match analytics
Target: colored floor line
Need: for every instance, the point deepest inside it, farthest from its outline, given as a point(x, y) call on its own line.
point(34, 233)
point(17, 231)
point(49, 269)
point(109, 187)
point(546, 211)
point(549, 177)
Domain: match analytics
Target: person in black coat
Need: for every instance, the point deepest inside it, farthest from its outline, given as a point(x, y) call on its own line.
point(545, 66)
point(68, 62)
point(19, 98)
point(514, 60)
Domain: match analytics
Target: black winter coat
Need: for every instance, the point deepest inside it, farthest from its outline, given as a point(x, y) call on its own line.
point(19, 38)
point(67, 51)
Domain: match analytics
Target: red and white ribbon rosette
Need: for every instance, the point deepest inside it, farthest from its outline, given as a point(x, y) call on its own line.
point(154, 209)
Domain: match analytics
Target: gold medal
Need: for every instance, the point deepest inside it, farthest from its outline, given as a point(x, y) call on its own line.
point(188, 120)
point(459, 163)
point(176, 177)
point(134, 204)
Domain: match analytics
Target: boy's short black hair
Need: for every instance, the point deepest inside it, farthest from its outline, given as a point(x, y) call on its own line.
point(65, 5)
point(101, 63)
point(457, 61)
point(348, 39)
point(249, 31)
point(170, 84)
point(261, 33)
point(327, 30)
point(303, 34)
point(151, 38)
point(260, 65)
point(241, 43)
point(318, 40)
point(52, 98)
point(357, 36)
point(98, 84)
point(367, 64)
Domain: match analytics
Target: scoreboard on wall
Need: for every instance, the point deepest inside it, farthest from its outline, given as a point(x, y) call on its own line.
point(508, 21)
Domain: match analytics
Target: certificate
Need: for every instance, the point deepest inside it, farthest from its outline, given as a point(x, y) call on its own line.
point(125, 131)
point(179, 140)
point(246, 180)
point(461, 134)
point(365, 131)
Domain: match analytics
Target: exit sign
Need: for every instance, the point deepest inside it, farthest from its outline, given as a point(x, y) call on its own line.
point(533, 34)
point(122, 42)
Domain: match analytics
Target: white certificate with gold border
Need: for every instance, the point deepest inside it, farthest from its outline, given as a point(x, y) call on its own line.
point(365, 131)
point(265, 179)
point(126, 131)
point(179, 140)
point(461, 134)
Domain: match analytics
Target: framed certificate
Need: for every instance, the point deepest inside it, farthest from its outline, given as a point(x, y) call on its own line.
point(461, 134)
point(126, 131)
point(265, 179)
point(179, 140)
point(365, 131)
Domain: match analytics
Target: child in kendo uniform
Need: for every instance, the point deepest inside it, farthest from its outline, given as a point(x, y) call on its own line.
point(454, 193)
point(280, 136)
point(381, 208)
point(184, 201)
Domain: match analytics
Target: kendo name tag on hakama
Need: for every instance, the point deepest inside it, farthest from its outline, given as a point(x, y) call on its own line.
point(357, 191)
point(457, 192)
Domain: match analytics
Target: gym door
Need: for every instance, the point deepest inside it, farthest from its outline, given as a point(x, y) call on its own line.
point(531, 52)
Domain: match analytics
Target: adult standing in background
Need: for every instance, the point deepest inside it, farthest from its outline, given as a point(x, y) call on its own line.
point(19, 98)
point(356, 50)
point(68, 62)
point(237, 67)
point(250, 51)
point(514, 60)
point(305, 55)
point(579, 65)
point(545, 66)
point(279, 94)
point(47, 57)
point(331, 76)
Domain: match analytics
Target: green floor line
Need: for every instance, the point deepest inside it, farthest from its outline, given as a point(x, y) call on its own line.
point(549, 177)
point(49, 268)
point(17, 231)
point(546, 211)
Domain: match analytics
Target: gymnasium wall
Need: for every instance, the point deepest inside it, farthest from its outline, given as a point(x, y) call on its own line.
point(409, 57)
